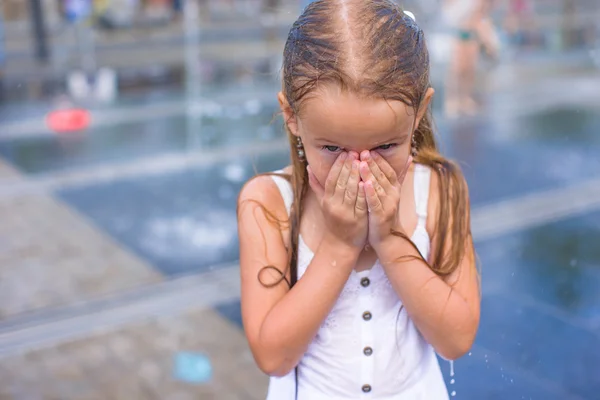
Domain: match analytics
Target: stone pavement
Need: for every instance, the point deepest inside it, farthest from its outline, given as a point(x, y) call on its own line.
point(138, 362)
point(51, 256)
point(52, 259)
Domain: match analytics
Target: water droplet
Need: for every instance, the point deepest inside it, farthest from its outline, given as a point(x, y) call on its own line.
point(234, 173)
point(470, 353)
point(453, 393)
point(452, 381)
point(253, 106)
point(573, 262)
point(451, 368)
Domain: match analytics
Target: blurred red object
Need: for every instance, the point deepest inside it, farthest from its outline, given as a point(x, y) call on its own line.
point(68, 120)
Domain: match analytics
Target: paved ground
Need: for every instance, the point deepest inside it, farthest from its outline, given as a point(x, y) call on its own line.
point(118, 247)
point(60, 275)
point(62, 256)
point(143, 360)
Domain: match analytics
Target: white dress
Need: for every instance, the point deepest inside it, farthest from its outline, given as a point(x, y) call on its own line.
point(366, 348)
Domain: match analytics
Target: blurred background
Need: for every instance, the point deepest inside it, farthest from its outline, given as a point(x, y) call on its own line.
point(127, 128)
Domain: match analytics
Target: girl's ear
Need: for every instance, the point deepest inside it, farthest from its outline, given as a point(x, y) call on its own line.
point(424, 106)
point(289, 117)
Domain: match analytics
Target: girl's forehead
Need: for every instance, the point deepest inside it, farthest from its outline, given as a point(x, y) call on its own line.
point(336, 114)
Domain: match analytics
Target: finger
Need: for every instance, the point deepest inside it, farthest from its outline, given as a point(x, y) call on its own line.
point(334, 174)
point(360, 209)
point(367, 175)
point(342, 182)
point(365, 172)
point(380, 178)
point(373, 202)
point(386, 168)
point(352, 185)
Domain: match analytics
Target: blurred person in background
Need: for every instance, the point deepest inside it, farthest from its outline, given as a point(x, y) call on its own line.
point(270, 6)
point(488, 35)
point(157, 11)
point(116, 13)
point(472, 29)
point(519, 21)
point(178, 9)
point(74, 10)
point(2, 58)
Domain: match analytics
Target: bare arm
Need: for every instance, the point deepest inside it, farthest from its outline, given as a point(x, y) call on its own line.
point(280, 323)
point(446, 311)
point(447, 316)
point(290, 321)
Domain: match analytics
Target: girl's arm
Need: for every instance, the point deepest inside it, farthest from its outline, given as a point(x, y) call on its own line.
point(280, 323)
point(446, 311)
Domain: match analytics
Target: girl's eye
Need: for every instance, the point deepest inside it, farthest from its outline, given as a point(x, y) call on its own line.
point(386, 146)
point(331, 149)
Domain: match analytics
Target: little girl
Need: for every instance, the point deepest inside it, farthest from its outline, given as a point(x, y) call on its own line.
point(357, 261)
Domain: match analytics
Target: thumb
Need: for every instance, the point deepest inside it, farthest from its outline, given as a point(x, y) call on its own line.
point(314, 183)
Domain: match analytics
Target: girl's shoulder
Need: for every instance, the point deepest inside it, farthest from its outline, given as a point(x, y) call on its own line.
point(262, 191)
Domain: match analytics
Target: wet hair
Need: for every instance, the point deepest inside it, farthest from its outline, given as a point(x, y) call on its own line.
point(371, 48)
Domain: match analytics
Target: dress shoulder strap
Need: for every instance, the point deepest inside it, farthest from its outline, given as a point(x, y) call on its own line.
point(285, 188)
point(421, 183)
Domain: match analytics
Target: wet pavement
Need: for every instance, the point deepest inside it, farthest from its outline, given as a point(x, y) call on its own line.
point(189, 225)
point(113, 276)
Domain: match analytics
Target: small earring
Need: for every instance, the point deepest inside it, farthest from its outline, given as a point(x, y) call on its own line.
point(414, 146)
point(300, 149)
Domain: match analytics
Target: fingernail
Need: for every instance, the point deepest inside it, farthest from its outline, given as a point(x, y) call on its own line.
point(354, 165)
point(343, 156)
point(375, 155)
